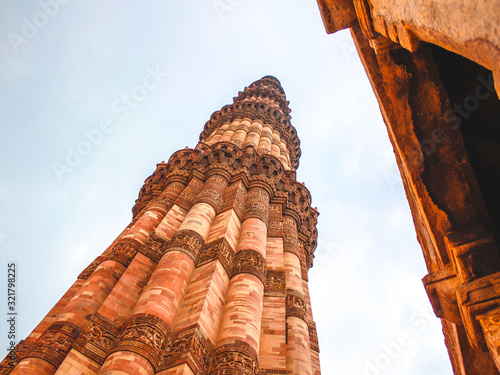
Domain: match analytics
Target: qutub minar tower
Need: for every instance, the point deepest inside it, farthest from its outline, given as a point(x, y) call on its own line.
point(210, 277)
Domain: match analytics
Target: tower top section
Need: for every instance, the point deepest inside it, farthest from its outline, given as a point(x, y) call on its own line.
point(264, 101)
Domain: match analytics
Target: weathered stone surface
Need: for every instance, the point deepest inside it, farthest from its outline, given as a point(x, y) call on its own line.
point(441, 112)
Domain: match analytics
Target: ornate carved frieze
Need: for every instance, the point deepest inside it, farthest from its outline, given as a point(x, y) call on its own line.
point(123, 252)
point(248, 166)
point(165, 201)
point(275, 228)
point(226, 157)
point(275, 282)
point(270, 167)
point(161, 204)
point(186, 199)
point(257, 204)
point(154, 248)
point(146, 335)
point(187, 241)
point(237, 358)
point(313, 336)
point(153, 186)
point(298, 205)
point(250, 261)
point(296, 304)
point(189, 346)
point(212, 192)
point(217, 250)
point(55, 343)
point(97, 338)
point(309, 245)
point(91, 268)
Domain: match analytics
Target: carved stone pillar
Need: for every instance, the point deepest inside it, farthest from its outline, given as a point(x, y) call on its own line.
point(275, 144)
point(241, 132)
point(253, 136)
point(228, 133)
point(297, 348)
point(147, 331)
point(265, 140)
point(239, 334)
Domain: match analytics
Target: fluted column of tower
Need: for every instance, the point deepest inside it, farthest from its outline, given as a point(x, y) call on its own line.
point(210, 277)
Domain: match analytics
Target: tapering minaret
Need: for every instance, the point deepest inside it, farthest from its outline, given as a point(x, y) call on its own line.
point(210, 277)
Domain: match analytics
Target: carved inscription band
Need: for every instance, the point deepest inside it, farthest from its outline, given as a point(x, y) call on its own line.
point(296, 305)
point(154, 248)
point(313, 336)
point(257, 204)
point(189, 346)
point(275, 282)
point(123, 252)
point(187, 241)
point(55, 343)
point(220, 250)
point(212, 192)
point(91, 268)
point(237, 358)
point(97, 339)
point(146, 335)
point(250, 261)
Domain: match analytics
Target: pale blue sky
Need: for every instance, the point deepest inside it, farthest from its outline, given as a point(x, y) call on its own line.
point(66, 76)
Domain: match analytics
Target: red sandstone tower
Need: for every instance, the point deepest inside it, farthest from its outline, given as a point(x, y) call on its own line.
point(210, 277)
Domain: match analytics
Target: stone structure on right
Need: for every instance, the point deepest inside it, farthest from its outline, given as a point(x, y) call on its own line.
point(434, 66)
